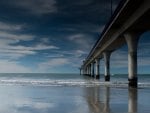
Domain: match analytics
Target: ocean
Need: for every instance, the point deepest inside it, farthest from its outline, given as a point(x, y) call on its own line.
point(72, 93)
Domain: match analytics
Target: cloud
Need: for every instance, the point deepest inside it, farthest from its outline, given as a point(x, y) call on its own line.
point(144, 53)
point(11, 33)
point(10, 27)
point(6, 44)
point(37, 7)
point(82, 2)
point(7, 66)
point(77, 53)
point(15, 37)
point(119, 59)
point(60, 64)
point(143, 49)
point(10, 43)
point(55, 62)
point(33, 48)
point(54, 55)
point(81, 107)
point(45, 40)
point(80, 53)
point(8, 39)
point(82, 41)
point(12, 48)
point(87, 27)
point(13, 55)
point(15, 52)
point(73, 57)
point(33, 105)
point(144, 61)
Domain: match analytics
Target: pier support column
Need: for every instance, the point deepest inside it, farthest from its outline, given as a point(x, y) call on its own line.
point(84, 71)
point(80, 71)
point(92, 64)
point(88, 69)
point(97, 69)
point(132, 42)
point(106, 55)
point(87, 73)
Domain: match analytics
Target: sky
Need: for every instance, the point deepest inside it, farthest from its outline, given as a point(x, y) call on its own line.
point(55, 36)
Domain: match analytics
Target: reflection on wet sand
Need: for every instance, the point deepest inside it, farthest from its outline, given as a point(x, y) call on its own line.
point(106, 100)
point(98, 100)
point(132, 102)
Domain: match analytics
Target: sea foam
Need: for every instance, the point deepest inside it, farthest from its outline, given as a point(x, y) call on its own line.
point(68, 82)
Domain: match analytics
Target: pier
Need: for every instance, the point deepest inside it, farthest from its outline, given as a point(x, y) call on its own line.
point(130, 19)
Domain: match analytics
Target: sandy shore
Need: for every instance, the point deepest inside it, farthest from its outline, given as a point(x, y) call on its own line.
point(42, 99)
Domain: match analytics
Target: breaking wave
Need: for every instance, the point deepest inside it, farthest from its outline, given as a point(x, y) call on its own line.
point(71, 82)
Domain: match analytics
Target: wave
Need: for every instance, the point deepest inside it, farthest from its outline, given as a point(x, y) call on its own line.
point(49, 82)
point(87, 83)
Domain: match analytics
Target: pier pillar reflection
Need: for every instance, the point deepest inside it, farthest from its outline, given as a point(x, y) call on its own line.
point(132, 42)
point(106, 55)
point(132, 102)
point(98, 99)
point(107, 99)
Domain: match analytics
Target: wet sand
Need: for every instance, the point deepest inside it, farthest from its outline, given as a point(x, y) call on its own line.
point(73, 99)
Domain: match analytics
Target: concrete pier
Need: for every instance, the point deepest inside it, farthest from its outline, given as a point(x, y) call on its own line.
point(106, 55)
point(89, 70)
point(97, 68)
point(130, 19)
point(83, 70)
point(132, 42)
point(93, 74)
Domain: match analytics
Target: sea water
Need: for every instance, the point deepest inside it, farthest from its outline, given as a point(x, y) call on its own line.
point(72, 93)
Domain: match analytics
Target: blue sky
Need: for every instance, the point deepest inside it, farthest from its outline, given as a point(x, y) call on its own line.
point(54, 36)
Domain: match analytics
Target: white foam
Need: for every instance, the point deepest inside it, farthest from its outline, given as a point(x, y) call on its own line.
point(69, 82)
point(144, 84)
